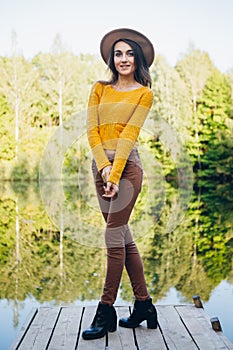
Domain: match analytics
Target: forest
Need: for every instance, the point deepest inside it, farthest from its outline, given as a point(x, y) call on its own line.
point(43, 258)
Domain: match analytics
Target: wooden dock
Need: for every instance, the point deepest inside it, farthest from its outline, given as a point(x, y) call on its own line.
point(181, 327)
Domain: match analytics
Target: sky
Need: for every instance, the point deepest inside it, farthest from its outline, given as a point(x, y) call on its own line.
point(171, 25)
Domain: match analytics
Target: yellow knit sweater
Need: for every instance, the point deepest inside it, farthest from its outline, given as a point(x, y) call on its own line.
point(114, 122)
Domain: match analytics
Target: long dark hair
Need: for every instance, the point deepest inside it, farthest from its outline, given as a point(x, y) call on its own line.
point(141, 74)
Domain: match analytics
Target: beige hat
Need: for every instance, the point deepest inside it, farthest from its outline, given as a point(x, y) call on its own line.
point(125, 33)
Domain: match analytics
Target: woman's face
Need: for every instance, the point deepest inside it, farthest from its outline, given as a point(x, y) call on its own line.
point(124, 59)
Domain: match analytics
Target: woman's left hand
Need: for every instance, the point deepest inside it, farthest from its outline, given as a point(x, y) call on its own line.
point(106, 172)
point(110, 190)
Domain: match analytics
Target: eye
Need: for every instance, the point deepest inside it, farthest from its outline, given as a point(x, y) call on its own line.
point(130, 53)
point(117, 53)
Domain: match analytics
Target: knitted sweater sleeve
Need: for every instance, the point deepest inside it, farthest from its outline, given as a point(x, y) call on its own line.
point(93, 127)
point(129, 136)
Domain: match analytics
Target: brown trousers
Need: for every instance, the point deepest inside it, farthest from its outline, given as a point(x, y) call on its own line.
point(121, 249)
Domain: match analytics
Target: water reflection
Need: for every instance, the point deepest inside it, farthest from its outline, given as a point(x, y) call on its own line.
point(43, 265)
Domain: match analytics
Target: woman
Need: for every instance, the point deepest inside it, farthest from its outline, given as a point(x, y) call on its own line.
point(116, 112)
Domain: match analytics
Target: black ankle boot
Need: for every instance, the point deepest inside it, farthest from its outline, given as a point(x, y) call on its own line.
point(105, 320)
point(143, 310)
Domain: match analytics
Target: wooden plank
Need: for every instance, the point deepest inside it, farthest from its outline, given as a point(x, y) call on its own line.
point(224, 339)
point(126, 335)
point(203, 334)
point(149, 339)
point(173, 330)
point(181, 327)
point(24, 329)
point(41, 329)
point(88, 315)
point(66, 332)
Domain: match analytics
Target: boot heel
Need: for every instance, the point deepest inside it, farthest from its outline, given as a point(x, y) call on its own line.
point(152, 322)
point(113, 326)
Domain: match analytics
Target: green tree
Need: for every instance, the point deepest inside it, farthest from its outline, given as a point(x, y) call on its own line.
point(230, 82)
point(170, 97)
point(168, 120)
point(194, 68)
point(7, 141)
point(18, 84)
point(215, 136)
point(65, 82)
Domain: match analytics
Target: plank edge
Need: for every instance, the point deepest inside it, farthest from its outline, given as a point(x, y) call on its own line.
point(25, 327)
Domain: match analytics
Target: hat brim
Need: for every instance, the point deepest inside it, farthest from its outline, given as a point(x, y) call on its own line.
point(126, 33)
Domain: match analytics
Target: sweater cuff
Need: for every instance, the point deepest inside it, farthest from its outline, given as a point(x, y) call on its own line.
point(100, 157)
point(117, 169)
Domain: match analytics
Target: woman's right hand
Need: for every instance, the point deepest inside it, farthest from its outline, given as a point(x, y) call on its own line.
point(110, 190)
point(105, 173)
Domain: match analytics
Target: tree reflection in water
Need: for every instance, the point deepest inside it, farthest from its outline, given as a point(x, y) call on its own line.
point(41, 262)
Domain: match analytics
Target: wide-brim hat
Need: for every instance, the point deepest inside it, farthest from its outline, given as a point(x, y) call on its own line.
point(125, 33)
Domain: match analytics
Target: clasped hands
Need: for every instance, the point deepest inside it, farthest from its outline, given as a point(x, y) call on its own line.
point(110, 188)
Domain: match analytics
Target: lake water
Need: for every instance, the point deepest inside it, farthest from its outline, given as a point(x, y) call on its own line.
point(43, 263)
